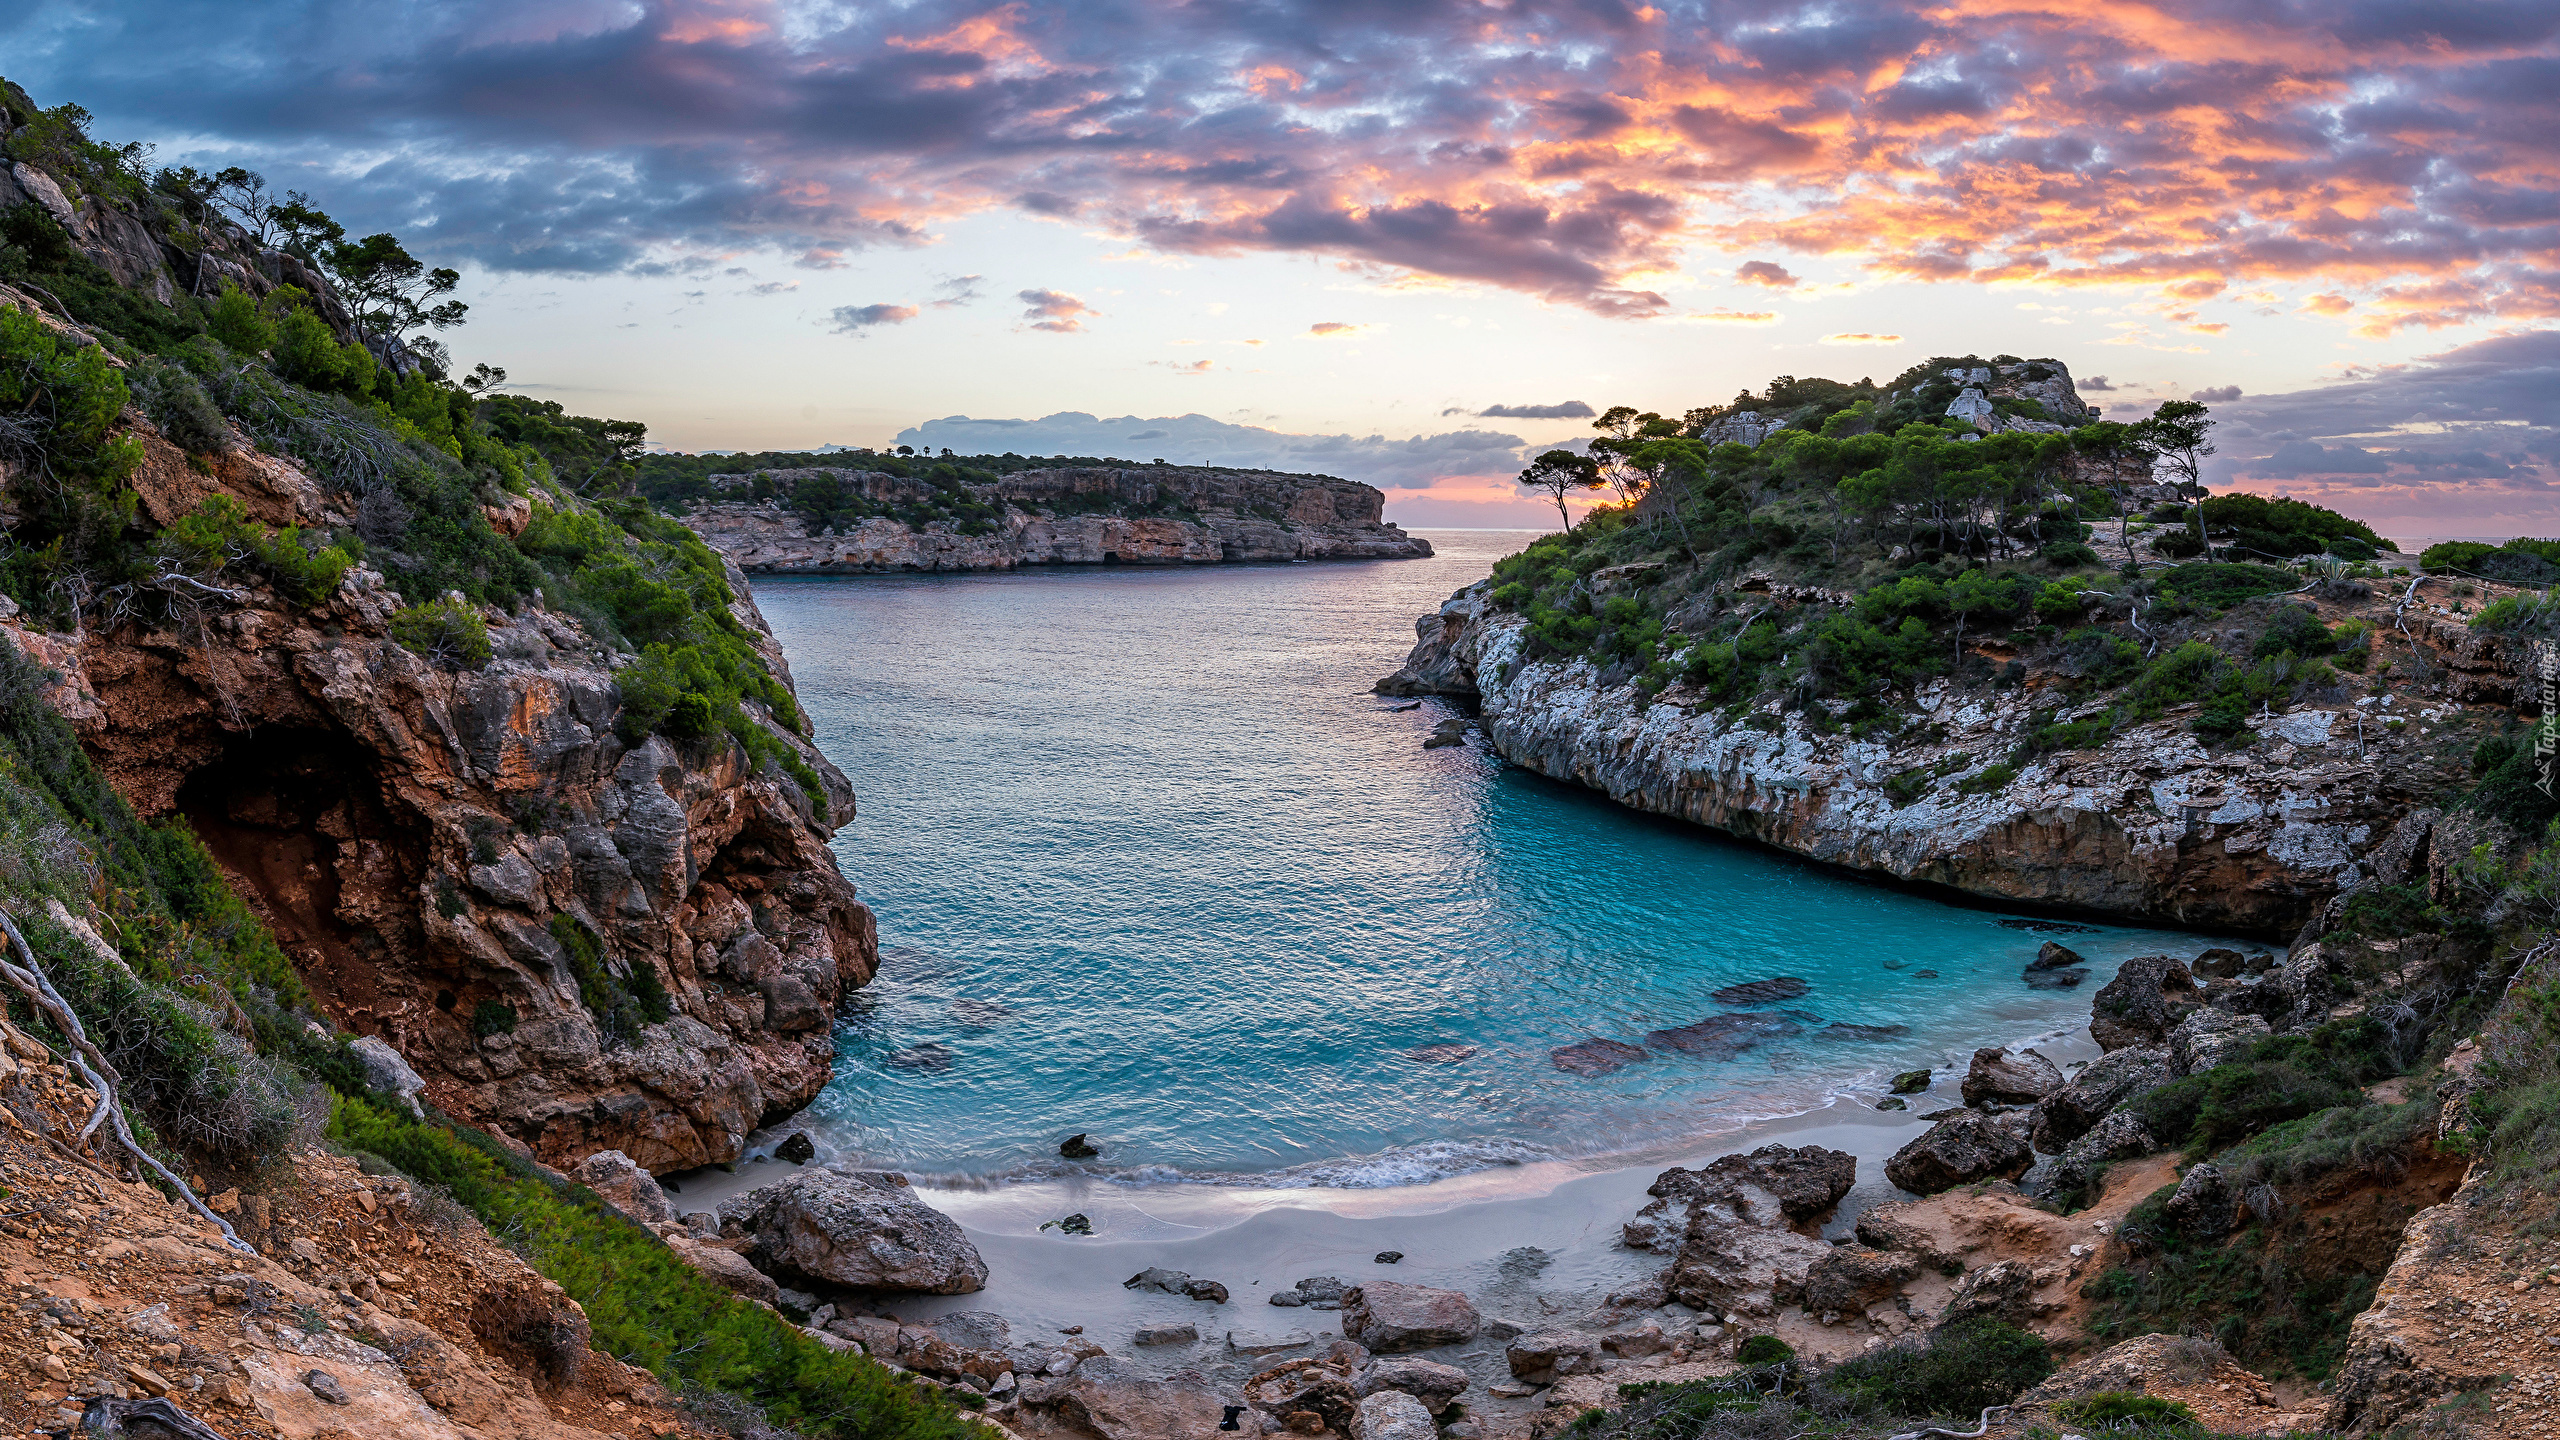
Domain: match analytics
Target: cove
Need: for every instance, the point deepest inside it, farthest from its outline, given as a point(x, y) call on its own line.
point(1151, 864)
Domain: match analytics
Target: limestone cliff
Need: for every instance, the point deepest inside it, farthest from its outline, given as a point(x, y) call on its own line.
point(1134, 515)
point(2151, 825)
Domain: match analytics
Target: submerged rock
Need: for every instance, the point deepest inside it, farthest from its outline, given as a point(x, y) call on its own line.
point(2055, 979)
point(867, 1230)
point(1843, 1030)
point(1961, 1150)
point(1762, 992)
point(1389, 1317)
point(1721, 1037)
point(928, 1057)
point(1440, 1054)
point(2053, 955)
point(1596, 1057)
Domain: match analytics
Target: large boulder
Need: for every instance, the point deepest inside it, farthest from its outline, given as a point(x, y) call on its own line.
point(1546, 1356)
point(1324, 1388)
point(1434, 1384)
point(2103, 1084)
point(1853, 1277)
point(2120, 1136)
point(1108, 1398)
point(2146, 1000)
point(1960, 1151)
point(1732, 1261)
point(726, 1266)
point(2151, 1364)
point(2004, 1290)
point(1395, 1415)
point(1890, 1226)
point(2204, 1204)
point(626, 1187)
point(866, 1230)
point(1998, 1077)
point(1389, 1318)
point(2054, 955)
point(1773, 1184)
point(2211, 1037)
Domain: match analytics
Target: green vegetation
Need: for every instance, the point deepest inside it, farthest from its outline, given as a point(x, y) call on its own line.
point(1949, 1374)
point(2280, 1301)
point(2521, 561)
point(444, 633)
point(621, 1004)
point(1764, 1350)
point(2117, 1409)
point(1958, 1371)
point(2283, 528)
point(2283, 1078)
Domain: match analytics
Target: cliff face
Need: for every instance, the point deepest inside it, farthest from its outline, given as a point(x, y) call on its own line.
point(2151, 826)
point(475, 866)
point(1138, 515)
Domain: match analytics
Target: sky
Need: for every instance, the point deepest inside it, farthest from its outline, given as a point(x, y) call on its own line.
point(1412, 241)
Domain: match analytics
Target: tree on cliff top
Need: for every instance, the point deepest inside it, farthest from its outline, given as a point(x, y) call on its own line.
point(1559, 473)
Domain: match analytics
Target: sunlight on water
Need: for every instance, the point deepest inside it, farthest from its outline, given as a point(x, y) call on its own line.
point(1150, 863)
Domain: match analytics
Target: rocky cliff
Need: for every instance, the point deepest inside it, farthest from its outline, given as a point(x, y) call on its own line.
point(474, 864)
point(1135, 515)
point(2153, 824)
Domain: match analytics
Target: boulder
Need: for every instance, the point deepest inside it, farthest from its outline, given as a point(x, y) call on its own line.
point(1296, 1387)
point(1395, 1415)
point(2120, 1136)
point(1911, 1082)
point(2103, 1084)
point(2001, 1291)
point(2053, 955)
point(1108, 1398)
point(2211, 1037)
point(1549, 1355)
point(1595, 1057)
point(797, 1148)
point(1174, 1282)
point(386, 1071)
point(1853, 1277)
point(2146, 1000)
point(866, 1230)
point(1732, 1262)
point(2149, 1364)
point(2204, 1204)
point(626, 1187)
point(1390, 1318)
point(972, 1330)
point(1181, 1332)
point(1429, 1381)
point(1795, 1182)
point(1266, 1342)
point(2218, 964)
point(1960, 1151)
point(1998, 1077)
point(726, 1266)
point(1634, 1342)
point(1889, 1226)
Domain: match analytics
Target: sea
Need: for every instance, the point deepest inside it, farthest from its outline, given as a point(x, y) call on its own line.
point(1154, 866)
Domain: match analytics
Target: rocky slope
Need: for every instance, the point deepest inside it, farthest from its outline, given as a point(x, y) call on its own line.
point(2151, 825)
point(431, 845)
point(1138, 515)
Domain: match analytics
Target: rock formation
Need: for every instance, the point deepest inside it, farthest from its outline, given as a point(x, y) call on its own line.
point(868, 1231)
point(1134, 515)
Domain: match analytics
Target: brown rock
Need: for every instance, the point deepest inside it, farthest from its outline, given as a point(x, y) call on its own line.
point(1960, 1151)
point(1390, 1318)
point(2146, 1000)
point(1998, 1077)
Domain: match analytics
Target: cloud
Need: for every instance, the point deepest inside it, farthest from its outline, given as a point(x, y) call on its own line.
point(1187, 367)
point(854, 319)
point(1569, 410)
point(774, 287)
point(2216, 393)
point(2394, 159)
point(1861, 337)
point(958, 290)
point(2093, 384)
point(1763, 272)
point(1324, 329)
point(1054, 311)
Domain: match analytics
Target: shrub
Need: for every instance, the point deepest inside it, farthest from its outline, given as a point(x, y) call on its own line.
point(235, 320)
point(2177, 544)
point(309, 354)
point(2118, 1409)
point(492, 1017)
point(2387, 912)
point(1764, 1350)
point(621, 1008)
point(2283, 1078)
point(1988, 779)
point(1958, 1370)
point(2297, 629)
point(185, 416)
point(2222, 586)
point(445, 633)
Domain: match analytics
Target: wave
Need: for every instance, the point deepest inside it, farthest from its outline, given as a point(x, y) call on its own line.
point(1418, 1164)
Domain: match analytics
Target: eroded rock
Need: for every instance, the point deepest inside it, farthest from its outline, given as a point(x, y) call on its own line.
point(2112, 1079)
point(866, 1230)
point(1999, 1077)
point(2146, 1000)
point(1961, 1150)
point(1390, 1318)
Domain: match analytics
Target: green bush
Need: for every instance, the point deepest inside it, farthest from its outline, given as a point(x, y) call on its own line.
point(621, 1007)
point(1955, 1371)
point(492, 1017)
point(2283, 1078)
point(444, 633)
point(1764, 1350)
point(185, 416)
point(310, 355)
point(646, 1306)
point(235, 319)
point(2221, 586)
point(2387, 912)
point(2118, 1409)
point(1987, 779)
point(2295, 629)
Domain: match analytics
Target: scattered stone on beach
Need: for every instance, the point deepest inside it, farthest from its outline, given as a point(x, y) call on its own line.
point(1843, 1030)
point(928, 1057)
point(1400, 709)
point(1395, 1415)
point(1075, 1224)
point(1763, 992)
point(1181, 1332)
point(1321, 1292)
point(1316, 1386)
point(1521, 1261)
point(2146, 1000)
point(1174, 1282)
point(1549, 1355)
point(862, 1229)
point(1853, 1277)
point(1634, 1342)
point(1912, 1082)
point(1388, 1257)
point(1109, 1398)
point(1999, 1077)
point(1958, 1151)
point(1262, 1342)
point(2113, 1079)
point(1434, 1384)
point(1077, 1147)
point(2054, 979)
point(1511, 1390)
point(1595, 1056)
point(1390, 1318)
point(1772, 1185)
point(1893, 1102)
point(1440, 1054)
point(1722, 1037)
point(2218, 963)
point(797, 1148)
point(2053, 955)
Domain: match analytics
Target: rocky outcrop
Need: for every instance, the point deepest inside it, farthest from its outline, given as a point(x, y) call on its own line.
point(475, 867)
point(1134, 515)
point(2152, 824)
point(2105, 1083)
point(1997, 1077)
point(2148, 998)
point(1960, 1151)
point(1775, 1184)
point(866, 1230)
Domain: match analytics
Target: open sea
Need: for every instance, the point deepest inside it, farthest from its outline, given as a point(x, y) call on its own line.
point(1151, 864)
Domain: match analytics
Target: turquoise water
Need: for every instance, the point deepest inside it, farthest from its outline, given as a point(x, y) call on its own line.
point(1150, 863)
